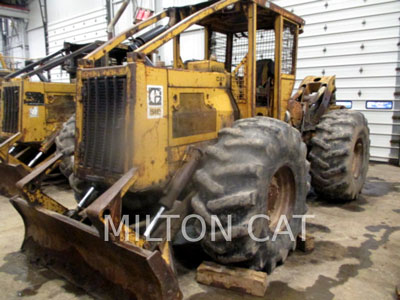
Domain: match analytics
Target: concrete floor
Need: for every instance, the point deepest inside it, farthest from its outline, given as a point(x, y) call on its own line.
point(356, 256)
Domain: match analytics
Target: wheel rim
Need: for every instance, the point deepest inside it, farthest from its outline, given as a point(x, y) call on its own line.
point(281, 197)
point(357, 158)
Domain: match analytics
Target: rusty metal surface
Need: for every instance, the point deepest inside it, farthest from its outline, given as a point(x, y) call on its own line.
point(281, 197)
point(192, 116)
point(296, 112)
point(10, 175)
point(181, 178)
point(5, 146)
point(35, 174)
point(181, 209)
point(30, 186)
point(122, 264)
point(233, 21)
point(11, 169)
point(110, 203)
point(129, 271)
point(60, 108)
point(316, 97)
point(49, 141)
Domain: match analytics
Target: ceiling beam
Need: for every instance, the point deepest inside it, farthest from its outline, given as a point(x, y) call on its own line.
point(7, 11)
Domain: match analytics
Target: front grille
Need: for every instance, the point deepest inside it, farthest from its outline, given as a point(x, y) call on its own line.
point(103, 132)
point(11, 109)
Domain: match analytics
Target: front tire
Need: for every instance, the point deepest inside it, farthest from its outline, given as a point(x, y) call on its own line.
point(339, 155)
point(257, 167)
point(65, 143)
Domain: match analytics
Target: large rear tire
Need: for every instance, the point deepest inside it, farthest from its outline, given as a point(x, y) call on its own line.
point(339, 155)
point(257, 167)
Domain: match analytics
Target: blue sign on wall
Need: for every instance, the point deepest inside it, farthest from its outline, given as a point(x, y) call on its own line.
point(347, 104)
point(379, 104)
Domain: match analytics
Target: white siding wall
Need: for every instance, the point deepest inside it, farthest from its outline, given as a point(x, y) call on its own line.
point(358, 42)
point(35, 31)
point(75, 21)
point(80, 21)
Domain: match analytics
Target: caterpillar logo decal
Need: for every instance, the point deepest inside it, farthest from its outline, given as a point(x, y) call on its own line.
point(155, 101)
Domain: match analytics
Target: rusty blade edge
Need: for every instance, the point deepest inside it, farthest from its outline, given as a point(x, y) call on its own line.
point(104, 269)
point(10, 175)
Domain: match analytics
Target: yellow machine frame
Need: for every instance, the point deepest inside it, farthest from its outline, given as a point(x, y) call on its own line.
point(39, 118)
point(156, 150)
point(34, 115)
point(214, 87)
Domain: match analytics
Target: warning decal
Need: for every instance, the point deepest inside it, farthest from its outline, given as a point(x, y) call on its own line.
point(155, 101)
point(34, 112)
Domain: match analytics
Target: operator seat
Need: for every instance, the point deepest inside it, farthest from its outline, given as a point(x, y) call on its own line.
point(264, 81)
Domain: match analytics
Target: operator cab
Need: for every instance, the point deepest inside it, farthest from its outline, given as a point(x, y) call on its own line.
point(252, 42)
point(227, 49)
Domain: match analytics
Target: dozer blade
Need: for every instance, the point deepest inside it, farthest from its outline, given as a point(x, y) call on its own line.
point(115, 270)
point(11, 170)
point(9, 176)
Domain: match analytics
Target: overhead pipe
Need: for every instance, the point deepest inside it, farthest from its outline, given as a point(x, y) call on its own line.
point(111, 25)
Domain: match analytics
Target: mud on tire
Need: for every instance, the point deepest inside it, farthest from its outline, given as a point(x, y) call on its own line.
point(254, 162)
point(65, 143)
point(339, 155)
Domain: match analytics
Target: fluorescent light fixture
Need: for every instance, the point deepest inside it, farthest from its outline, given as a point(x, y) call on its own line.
point(379, 104)
point(347, 104)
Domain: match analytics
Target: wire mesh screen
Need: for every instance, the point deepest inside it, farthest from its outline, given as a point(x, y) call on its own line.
point(239, 50)
point(265, 49)
point(218, 46)
point(288, 48)
point(265, 46)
